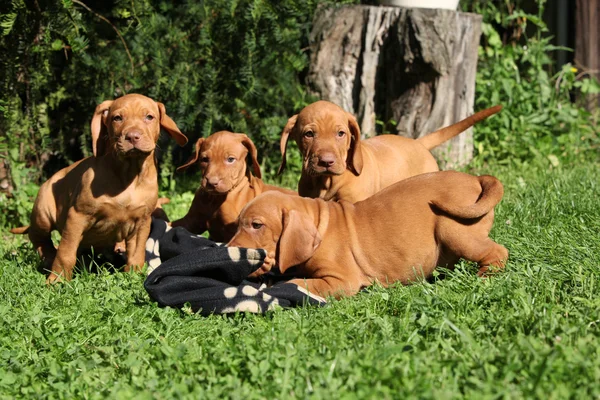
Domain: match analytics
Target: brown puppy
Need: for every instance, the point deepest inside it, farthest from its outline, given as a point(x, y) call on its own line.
point(399, 234)
point(338, 165)
point(107, 198)
point(227, 184)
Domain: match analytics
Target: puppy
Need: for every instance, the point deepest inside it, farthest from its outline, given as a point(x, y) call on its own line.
point(227, 184)
point(338, 165)
point(107, 198)
point(398, 235)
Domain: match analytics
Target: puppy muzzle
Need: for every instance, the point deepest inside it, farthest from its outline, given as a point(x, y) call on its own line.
point(328, 164)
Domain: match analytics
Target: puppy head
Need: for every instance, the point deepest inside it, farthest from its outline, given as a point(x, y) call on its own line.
point(328, 138)
point(274, 222)
point(222, 160)
point(130, 126)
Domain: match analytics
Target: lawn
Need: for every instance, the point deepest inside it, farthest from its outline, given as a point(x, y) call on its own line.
point(532, 331)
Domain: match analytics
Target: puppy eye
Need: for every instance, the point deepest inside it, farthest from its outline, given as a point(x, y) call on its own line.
point(117, 118)
point(341, 134)
point(257, 225)
point(149, 117)
point(204, 159)
point(309, 134)
point(230, 160)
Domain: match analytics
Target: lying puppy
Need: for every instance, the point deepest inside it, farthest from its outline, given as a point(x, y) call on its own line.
point(227, 185)
point(107, 198)
point(399, 234)
point(338, 165)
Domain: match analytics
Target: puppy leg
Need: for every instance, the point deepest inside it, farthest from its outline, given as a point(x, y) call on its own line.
point(66, 255)
point(191, 223)
point(324, 287)
point(42, 243)
point(40, 235)
point(486, 253)
point(136, 246)
point(495, 257)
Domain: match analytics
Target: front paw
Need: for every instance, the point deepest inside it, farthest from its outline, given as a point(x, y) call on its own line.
point(134, 267)
point(54, 278)
point(267, 265)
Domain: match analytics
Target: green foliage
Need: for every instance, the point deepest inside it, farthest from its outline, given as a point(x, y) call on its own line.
point(529, 332)
point(233, 65)
point(239, 65)
point(215, 64)
point(539, 119)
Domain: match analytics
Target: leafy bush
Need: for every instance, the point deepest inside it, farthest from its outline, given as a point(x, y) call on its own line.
point(539, 119)
point(232, 64)
point(216, 64)
point(239, 65)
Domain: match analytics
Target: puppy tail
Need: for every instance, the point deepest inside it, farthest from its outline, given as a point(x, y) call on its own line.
point(492, 191)
point(438, 137)
point(20, 231)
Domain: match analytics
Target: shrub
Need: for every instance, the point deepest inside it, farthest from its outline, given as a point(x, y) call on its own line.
point(539, 119)
point(239, 65)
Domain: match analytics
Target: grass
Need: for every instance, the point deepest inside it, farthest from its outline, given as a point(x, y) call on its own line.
point(532, 331)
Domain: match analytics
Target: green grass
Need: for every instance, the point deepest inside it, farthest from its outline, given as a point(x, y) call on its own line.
point(532, 331)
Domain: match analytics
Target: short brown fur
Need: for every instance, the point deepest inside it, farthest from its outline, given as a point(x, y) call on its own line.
point(338, 165)
point(398, 235)
point(227, 184)
point(107, 198)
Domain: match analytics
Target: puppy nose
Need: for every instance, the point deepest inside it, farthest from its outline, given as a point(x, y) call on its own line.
point(213, 180)
point(326, 160)
point(133, 136)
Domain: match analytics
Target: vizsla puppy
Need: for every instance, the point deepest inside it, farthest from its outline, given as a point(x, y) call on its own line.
point(399, 234)
point(107, 198)
point(227, 185)
point(338, 165)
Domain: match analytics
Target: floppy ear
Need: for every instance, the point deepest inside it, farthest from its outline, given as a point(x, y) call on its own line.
point(170, 126)
point(355, 160)
point(285, 135)
point(98, 128)
point(299, 239)
point(253, 154)
point(194, 158)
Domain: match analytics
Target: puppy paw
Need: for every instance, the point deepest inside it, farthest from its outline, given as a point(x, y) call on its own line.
point(488, 270)
point(267, 265)
point(54, 279)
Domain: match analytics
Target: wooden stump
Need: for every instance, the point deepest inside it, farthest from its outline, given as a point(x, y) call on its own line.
point(587, 42)
point(415, 67)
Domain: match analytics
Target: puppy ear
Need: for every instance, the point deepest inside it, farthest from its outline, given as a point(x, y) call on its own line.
point(253, 154)
point(99, 130)
point(355, 160)
point(170, 126)
point(285, 135)
point(194, 158)
point(299, 239)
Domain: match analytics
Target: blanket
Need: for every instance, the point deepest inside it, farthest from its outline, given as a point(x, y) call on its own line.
point(187, 269)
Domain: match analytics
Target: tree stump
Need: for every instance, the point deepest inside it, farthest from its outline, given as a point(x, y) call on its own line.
point(412, 69)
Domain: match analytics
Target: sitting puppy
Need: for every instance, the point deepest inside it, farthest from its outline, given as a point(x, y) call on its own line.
point(338, 165)
point(227, 185)
point(399, 234)
point(107, 198)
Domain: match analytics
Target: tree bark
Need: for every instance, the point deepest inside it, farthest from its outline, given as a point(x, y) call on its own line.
point(412, 69)
point(587, 43)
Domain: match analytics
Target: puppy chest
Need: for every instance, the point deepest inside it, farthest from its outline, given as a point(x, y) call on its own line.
point(109, 231)
point(123, 211)
point(118, 221)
